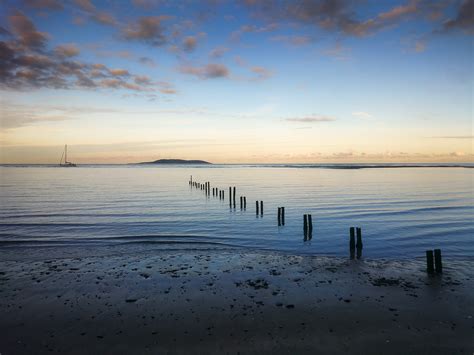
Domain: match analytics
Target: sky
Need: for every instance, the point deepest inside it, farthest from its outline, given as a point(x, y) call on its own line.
point(236, 81)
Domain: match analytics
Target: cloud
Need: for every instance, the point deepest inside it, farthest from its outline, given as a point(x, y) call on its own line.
point(85, 5)
point(189, 43)
point(261, 73)
point(312, 118)
point(453, 137)
point(464, 19)
point(236, 35)
point(25, 30)
point(145, 4)
point(293, 40)
point(119, 72)
point(66, 50)
point(44, 4)
point(25, 63)
point(420, 46)
point(16, 116)
point(362, 114)
point(209, 71)
point(338, 51)
point(339, 16)
point(101, 17)
point(257, 72)
point(147, 61)
point(218, 52)
point(146, 29)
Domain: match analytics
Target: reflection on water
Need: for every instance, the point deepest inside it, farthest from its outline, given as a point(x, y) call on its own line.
point(402, 211)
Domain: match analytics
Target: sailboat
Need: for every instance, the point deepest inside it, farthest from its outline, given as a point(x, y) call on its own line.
point(66, 164)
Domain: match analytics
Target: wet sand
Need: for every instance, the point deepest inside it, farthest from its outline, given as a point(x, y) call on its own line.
point(231, 301)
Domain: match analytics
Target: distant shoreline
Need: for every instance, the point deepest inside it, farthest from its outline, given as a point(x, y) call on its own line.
point(342, 166)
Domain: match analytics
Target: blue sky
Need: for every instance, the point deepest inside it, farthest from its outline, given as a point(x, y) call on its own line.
point(245, 81)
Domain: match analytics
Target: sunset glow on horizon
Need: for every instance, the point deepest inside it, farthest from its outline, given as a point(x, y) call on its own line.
point(236, 82)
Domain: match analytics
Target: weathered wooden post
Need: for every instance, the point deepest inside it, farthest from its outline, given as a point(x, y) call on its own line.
point(230, 196)
point(233, 198)
point(429, 262)
point(283, 216)
point(241, 202)
point(305, 224)
point(223, 194)
point(359, 238)
point(245, 202)
point(310, 224)
point(256, 208)
point(352, 239)
point(437, 260)
point(261, 208)
point(279, 216)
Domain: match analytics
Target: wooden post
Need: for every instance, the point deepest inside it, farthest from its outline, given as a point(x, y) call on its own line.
point(429, 261)
point(223, 194)
point(230, 196)
point(352, 239)
point(437, 260)
point(279, 216)
point(261, 208)
point(241, 202)
point(283, 216)
point(256, 207)
point(359, 238)
point(245, 202)
point(310, 224)
point(305, 224)
point(233, 198)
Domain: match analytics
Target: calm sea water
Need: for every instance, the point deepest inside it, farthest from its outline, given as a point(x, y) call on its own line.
point(402, 211)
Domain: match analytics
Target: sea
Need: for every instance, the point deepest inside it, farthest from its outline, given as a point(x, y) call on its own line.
point(402, 209)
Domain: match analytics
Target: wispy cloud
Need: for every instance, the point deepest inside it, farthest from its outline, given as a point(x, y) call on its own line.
point(147, 29)
point(261, 73)
point(338, 51)
point(218, 52)
point(464, 19)
point(236, 35)
point(311, 119)
point(208, 71)
point(362, 114)
point(453, 137)
point(293, 40)
point(338, 16)
point(44, 4)
point(94, 14)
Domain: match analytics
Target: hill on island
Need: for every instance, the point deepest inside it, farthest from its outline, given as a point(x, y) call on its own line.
point(176, 162)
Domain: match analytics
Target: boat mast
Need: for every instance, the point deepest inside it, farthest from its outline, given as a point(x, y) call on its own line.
point(65, 152)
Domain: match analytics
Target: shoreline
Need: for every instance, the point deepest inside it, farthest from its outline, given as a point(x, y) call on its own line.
point(230, 301)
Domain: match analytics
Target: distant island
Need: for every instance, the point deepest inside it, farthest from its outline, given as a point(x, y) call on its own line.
point(176, 161)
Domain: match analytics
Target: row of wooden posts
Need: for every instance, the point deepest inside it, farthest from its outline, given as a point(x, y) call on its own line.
point(307, 218)
point(433, 259)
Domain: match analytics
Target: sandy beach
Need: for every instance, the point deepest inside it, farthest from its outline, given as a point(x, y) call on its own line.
point(230, 301)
